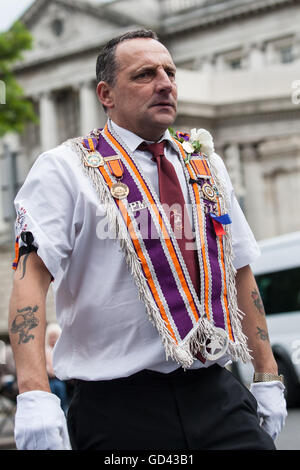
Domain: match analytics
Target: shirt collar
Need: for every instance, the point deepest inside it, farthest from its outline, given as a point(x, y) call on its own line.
point(133, 141)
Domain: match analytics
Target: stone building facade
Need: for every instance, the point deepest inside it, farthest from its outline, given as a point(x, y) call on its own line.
point(238, 76)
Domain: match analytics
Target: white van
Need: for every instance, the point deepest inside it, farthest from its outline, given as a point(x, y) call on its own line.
point(277, 273)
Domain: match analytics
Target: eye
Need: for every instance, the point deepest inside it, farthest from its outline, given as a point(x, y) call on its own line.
point(171, 73)
point(145, 75)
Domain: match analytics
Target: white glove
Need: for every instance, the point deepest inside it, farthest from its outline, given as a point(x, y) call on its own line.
point(271, 407)
point(40, 423)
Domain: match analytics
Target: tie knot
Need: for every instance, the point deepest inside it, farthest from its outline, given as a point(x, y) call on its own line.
point(157, 149)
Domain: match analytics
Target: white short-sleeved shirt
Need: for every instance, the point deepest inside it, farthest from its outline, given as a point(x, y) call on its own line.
point(106, 333)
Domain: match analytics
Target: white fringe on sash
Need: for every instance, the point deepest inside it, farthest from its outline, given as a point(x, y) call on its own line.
point(117, 226)
point(238, 349)
point(197, 339)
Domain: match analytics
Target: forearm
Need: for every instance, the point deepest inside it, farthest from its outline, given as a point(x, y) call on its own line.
point(27, 323)
point(254, 323)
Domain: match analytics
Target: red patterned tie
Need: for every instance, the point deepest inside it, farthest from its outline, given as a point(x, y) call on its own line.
point(171, 195)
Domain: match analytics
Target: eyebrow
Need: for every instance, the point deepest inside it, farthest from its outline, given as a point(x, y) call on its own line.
point(144, 68)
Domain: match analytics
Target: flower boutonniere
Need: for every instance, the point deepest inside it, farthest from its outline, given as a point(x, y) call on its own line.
point(198, 141)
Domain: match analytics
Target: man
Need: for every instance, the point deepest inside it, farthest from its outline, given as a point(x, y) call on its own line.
point(93, 216)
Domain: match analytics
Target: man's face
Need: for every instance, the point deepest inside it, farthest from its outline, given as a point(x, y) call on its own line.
point(144, 97)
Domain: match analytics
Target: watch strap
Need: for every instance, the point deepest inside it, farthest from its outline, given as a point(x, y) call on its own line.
point(267, 377)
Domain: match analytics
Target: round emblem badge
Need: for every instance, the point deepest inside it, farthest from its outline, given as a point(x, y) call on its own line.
point(217, 347)
point(119, 190)
point(208, 192)
point(94, 159)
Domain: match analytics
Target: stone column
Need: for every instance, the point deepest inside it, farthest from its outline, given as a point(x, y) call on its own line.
point(270, 54)
point(297, 47)
point(254, 191)
point(4, 227)
point(48, 122)
point(11, 178)
point(220, 63)
point(256, 56)
point(281, 164)
point(233, 165)
point(204, 64)
point(92, 114)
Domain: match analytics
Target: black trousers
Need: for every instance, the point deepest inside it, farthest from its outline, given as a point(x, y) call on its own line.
point(185, 410)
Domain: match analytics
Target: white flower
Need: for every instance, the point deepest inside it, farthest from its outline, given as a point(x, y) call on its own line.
point(188, 147)
point(204, 138)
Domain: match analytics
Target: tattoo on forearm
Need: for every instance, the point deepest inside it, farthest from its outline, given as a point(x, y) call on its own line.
point(24, 322)
point(263, 334)
point(23, 262)
point(257, 301)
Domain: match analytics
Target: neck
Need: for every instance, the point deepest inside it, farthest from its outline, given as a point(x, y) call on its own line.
point(151, 135)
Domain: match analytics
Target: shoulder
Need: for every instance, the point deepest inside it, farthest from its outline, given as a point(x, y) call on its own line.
point(59, 166)
point(57, 172)
point(62, 157)
point(218, 162)
point(221, 169)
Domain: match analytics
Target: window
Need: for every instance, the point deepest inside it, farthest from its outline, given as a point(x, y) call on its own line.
point(235, 63)
point(31, 135)
point(280, 291)
point(286, 54)
point(232, 60)
point(67, 108)
point(57, 26)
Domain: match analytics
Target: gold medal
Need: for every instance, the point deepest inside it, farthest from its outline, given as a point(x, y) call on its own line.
point(119, 190)
point(94, 160)
point(209, 192)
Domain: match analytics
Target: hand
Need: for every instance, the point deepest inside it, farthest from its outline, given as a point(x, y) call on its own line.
point(271, 407)
point(40, 423)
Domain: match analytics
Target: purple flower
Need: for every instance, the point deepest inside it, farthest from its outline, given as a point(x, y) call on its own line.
point(183, 136)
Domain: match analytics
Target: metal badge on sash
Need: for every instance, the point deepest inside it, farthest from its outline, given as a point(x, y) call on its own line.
point(217, 347)
point(118, 190)
point(209, 192)
point(93, 158)
point(202, 171)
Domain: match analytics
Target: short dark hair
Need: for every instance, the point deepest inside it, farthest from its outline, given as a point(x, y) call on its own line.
point(106, 67)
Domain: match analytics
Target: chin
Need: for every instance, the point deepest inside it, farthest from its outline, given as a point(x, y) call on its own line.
point(164, 121)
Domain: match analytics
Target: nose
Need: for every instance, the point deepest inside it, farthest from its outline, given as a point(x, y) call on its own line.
point(164, 82)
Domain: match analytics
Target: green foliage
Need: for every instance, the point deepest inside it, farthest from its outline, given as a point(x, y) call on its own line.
point(197, 146)
point(17, 110)
point(172, 132)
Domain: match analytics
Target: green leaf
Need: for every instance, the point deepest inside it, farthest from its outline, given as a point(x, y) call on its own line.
point(172, 132)
point(17, 110)
point(197, 146)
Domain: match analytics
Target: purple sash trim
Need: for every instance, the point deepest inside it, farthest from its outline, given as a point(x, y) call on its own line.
point(104, 148)
point(216, 304)
point(156, 253)
point(218, 310)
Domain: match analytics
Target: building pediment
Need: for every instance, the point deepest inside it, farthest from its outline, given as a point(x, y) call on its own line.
point(181, 15)
point(64, 25)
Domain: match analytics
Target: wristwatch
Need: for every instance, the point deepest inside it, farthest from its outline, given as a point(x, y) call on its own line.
point(267, 377)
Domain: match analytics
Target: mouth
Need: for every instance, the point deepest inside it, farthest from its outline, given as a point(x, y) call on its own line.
point(164, 104)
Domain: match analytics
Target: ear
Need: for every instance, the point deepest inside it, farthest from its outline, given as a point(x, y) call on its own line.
point(105, 94)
